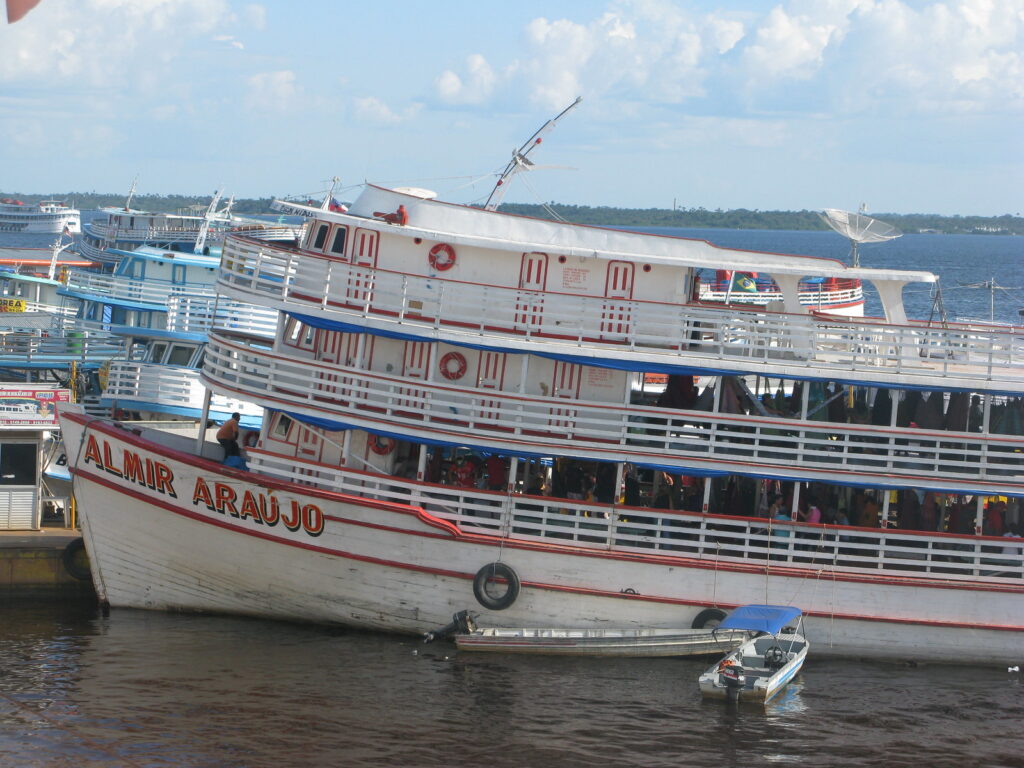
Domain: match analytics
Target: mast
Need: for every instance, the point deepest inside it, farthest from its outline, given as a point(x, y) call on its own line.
point(519, 161)
point(209, 216)
point(131, 194)
point(326, 204)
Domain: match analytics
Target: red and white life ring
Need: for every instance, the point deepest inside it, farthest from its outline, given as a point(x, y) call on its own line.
point(453, 365)
point(442, 257)
point(382, 446)
point(251, 438)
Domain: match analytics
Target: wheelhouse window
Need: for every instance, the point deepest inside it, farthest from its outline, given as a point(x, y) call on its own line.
point(320, 237)
point(180, 354)
point(157, 352)
point(338, 241)
point(282, 427)
point(178, 273)
point(296, 334)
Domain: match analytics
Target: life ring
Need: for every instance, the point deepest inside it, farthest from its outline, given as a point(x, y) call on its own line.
point(382, 446)
point(453, 365)
point(251, 438)
point(709, 618)
point(76, 560)
point(496, 573)
point(442, 257)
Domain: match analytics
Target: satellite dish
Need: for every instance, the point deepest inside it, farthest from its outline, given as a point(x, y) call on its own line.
point(858, 228)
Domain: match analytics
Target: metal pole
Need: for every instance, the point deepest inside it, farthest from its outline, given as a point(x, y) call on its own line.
point(201, 436)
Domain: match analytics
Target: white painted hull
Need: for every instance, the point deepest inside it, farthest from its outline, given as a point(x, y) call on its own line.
point(28, 225)
point(392, 567)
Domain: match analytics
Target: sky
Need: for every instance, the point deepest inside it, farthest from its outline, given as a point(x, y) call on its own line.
point(905, 106)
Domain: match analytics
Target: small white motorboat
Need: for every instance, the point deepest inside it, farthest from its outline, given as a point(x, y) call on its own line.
point(622, 642)
point(762, 665)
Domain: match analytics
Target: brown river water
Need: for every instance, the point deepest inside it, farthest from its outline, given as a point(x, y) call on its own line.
point(153, 689)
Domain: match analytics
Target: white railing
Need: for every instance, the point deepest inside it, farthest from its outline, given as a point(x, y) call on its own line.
point(818, 548)
point(174, 387)
point(559, 426)
point(822, 344)
point(145, 290)
point(178, 234)
point(57, 346)
point(191, 314)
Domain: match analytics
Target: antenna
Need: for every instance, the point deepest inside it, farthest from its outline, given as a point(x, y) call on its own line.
point(858, 228)
point(519, 161)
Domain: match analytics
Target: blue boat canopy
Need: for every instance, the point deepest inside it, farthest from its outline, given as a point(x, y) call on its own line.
point(761, 618)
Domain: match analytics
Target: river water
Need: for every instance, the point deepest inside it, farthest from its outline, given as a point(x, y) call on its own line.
point(149, 689)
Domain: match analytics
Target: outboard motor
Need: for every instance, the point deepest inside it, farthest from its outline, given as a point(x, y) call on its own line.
point(461, 624)
point(734, 679)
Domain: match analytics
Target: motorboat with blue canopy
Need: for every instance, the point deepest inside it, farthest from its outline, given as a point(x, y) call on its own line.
point(770, 619)
point(763, 665)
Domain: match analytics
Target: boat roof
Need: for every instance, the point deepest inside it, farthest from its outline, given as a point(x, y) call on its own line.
point(149, 253)
point(761, 618)
point(460, 224)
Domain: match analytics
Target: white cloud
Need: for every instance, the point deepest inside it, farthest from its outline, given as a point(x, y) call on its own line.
point(474, 88)
point(256, 16)
point(372, 110)
point(814, 56)
point(95, 41)
point(787, 45)
point(272, 91)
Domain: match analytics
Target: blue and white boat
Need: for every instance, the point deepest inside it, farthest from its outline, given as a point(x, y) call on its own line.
point(763, 665)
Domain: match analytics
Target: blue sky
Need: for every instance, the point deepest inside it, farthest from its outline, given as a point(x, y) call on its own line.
point(908, 106)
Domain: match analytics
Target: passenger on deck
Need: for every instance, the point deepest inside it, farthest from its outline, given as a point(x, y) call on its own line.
point(497, 473)
point(869, 516)
point(227, 436)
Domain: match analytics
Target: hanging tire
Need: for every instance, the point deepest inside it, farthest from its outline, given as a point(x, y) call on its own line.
point(491, 575)
point(76, 560)
point(709, 618)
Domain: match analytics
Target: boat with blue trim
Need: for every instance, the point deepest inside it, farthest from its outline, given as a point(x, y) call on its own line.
point(764, 664)
point(457, 412)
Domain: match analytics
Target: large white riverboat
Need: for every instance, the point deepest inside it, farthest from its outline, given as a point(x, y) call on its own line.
point(45, 217)
point(458, 415)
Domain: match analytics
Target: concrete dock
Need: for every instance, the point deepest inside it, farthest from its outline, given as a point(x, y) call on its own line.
point(49, 564)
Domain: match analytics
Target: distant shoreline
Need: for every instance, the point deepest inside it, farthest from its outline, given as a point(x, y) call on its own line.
point(689, 218)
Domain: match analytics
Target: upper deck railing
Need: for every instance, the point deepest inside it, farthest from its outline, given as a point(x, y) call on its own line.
point(198, 314)
point(177, 389)
point(144, 290)
point(57, 346)
point(820, 549)
point(815, 345)
point(555, 426)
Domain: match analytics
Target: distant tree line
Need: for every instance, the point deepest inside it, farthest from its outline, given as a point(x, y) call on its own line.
point(740, 218)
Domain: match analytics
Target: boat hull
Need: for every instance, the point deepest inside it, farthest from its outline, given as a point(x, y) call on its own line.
point(171, 531)
point(639, 643)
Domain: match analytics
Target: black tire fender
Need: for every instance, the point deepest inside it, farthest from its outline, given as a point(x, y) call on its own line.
point(76, 560)
point(708, 618)
point(496, 573)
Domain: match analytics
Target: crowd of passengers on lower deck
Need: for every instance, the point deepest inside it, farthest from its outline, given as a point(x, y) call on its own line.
point(781, 501)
